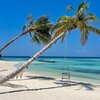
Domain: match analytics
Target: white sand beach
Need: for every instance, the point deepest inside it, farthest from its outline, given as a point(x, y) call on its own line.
point(36, 87)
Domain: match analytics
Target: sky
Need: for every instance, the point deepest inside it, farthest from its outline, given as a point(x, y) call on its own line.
point(13, 14)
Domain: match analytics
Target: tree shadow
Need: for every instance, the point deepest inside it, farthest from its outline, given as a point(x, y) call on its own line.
point(41, 77)
point(61, 84)
point(3, 70)
point(87, 86)
point(13, 85)
point(28, 90)
point(35, 77)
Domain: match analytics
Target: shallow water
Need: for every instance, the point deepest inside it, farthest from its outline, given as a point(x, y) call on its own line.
point(84, 69)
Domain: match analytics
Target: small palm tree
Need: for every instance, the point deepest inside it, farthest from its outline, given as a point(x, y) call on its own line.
point(39, 31)
point(64, 25)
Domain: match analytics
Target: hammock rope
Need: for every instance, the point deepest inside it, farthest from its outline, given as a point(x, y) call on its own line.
point(65, 70)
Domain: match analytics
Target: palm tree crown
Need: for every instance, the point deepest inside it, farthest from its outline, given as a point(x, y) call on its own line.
point(40, 30)
point(80, 20)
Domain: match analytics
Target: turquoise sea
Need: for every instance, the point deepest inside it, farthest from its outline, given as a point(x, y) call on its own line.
point(84, 69)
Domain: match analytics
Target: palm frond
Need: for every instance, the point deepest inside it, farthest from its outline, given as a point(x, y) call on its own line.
point(82, 7)
point(90, 17)
point(43, 25)
point(44, 30)
point(36, 40)
point(57, 25)
point(41, 38)
point(60, 30)
point(84, 36)
point(64, 19)
point(42, 20)
point(30, 33)
point(69, 8)
point(24, 27)
point(84, 32)
point(85, 29)
point(63, 37)
point(93, 29)
point(30, 18)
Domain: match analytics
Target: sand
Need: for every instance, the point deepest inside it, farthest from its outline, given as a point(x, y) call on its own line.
point(37, 87)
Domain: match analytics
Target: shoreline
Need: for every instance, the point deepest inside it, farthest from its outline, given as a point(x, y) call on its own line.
point(76, 79)
point(45, 87)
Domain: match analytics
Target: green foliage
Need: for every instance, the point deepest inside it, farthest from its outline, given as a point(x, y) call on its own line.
point(89, 17)
point(93, 29)
point(79, 21)
point(82, 8)
point(40, 30)
point(38, 38)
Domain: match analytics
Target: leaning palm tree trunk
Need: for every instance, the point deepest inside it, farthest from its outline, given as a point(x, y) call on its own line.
point(24, 66)
point(15, 38)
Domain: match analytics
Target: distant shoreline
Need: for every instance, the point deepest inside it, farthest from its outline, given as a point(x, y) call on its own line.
point(45, 57)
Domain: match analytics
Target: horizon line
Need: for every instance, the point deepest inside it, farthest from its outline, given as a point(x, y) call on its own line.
point(56, 56)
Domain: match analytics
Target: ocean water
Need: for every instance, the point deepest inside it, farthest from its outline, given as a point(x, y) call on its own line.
point(84, 69)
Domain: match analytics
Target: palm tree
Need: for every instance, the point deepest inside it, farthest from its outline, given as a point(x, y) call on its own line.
point(63, 26)
point(39, 31)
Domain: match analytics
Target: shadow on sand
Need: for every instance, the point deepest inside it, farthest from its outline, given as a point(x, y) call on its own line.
point(35, 77)
point(60, 84)
point(13, 85)
point(41, 77)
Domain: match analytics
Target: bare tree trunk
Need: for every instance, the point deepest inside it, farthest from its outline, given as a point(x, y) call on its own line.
point(15, 38)
point(13, 74)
